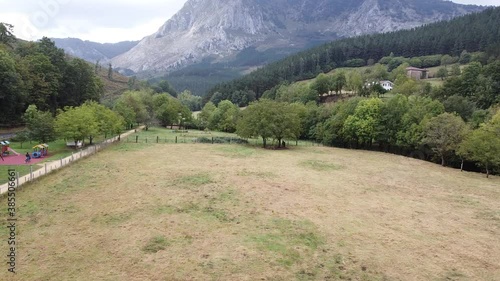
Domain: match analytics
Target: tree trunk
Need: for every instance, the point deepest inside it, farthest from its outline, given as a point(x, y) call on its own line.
point(487, 171)
point(442, 160)
point(264, 142)
point(462, 165)
point(279, 143)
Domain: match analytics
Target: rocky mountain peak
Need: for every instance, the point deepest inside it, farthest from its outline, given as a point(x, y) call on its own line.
point(221, 28)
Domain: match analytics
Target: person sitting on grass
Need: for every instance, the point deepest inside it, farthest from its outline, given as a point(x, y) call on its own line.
point(28, 157)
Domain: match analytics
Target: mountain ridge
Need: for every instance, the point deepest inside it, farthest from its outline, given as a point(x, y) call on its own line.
point(219, 29)
point(93, 51)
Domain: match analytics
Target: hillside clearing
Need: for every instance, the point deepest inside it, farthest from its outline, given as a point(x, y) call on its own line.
point(209, 212)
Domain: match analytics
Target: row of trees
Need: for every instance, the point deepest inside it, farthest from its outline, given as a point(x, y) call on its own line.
point(40, 74)
point(72, 123)
point(147, 107)
point(413, 125)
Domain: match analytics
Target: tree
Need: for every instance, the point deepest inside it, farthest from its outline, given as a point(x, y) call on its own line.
point(6, 35)
point(331, 130)
point(40, 125)
point(444, 133)
point(270, 119)
point(446, 60)
point(455, 70)
point(80, 84)
point(76, 123)
point(322, 84)
point(12, 95)
point(44, 80)
point(109, 122)
point(168, 110)
point(361, 127)
point(110, 71)
point(391, 117)
point(138, 102)
point(460, 105)
point(255, 121)
point(206, 114)
point(190, 101)
point(297, 92)
point(420, 110)
point(483, 145)
point(442, 73)
point(225, 117)
point(354, 82)
point(338, 81)
point(465, 57)
point(166, 87)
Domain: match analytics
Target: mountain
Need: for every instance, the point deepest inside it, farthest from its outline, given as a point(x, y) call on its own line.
point(93, 51)
point(216, 31)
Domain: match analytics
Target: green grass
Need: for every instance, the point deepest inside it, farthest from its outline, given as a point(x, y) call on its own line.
point(195, 180)
point(156, 244)
point(319, 165)
point(291, 241)
point(166, 135)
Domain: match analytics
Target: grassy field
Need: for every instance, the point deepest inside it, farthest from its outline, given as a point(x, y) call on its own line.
point(162, 135)
point(231, 212)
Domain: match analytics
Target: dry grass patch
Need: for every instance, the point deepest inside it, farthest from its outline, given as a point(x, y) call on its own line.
point(228, 212)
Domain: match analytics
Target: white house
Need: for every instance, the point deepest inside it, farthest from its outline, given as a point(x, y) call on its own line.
point(387, 85)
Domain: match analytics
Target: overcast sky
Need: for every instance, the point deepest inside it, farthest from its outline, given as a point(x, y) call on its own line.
point(105, 21)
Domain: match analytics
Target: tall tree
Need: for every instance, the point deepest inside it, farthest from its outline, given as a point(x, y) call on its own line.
point(40, 125)
point(483, 145)
point(76, 123)
point(444, 133)
point(12, 95)
point(6, 35)
point(361, 127)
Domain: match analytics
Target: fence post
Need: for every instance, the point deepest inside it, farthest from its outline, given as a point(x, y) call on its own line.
point(146, 140)
point(136, 139)
point(31, 172)
point(175, 139)
point(61, 162)
point(212, 140)
point(157, 139)
point(45, 168)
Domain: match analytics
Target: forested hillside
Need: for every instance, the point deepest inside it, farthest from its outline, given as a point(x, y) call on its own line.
point(40, 74)
point(474, 32)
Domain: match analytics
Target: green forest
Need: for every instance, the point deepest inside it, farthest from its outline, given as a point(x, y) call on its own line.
point(472, 33)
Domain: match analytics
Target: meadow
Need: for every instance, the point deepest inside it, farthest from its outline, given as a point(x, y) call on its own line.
point(147, 211)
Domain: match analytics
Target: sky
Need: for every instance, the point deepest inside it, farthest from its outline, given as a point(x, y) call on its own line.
point(105, 21)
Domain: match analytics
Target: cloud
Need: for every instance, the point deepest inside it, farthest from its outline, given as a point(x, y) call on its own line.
point(102, 21)
point(479, 2)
